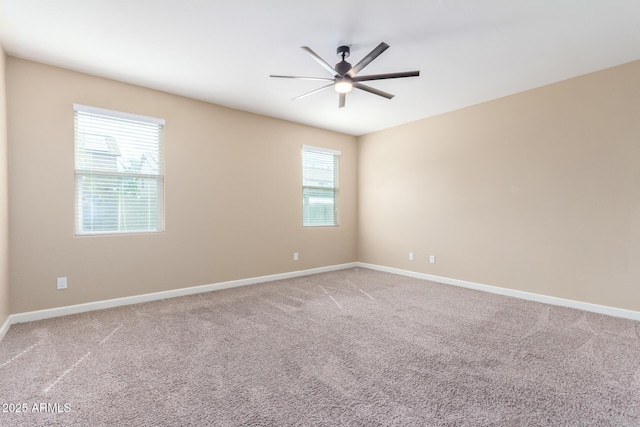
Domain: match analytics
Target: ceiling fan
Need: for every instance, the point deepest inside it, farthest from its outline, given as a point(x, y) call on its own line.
point(345, 77)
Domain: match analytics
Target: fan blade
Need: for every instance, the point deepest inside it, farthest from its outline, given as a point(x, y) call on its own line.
point(320, 61)
point(343, 98)
point(303, 78)
point(372, 90)
point(312, 92)
point(367, 59)
point(386, 76)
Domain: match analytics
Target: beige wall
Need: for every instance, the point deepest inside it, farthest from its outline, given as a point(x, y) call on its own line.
point(4, 210)
point(535, 192)
point(538, 191)
point(233, 195)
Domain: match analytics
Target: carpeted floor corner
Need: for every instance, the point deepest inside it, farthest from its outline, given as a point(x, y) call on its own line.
point(352, 347)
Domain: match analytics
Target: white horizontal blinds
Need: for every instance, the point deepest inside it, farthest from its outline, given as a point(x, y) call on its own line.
point(119, 172)
point(319, 186)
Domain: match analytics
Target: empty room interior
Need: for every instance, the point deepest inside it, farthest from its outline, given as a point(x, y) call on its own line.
point(202, 223)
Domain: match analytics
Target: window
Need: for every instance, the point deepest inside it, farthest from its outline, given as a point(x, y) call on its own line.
point(319, 186)
point(118, 172)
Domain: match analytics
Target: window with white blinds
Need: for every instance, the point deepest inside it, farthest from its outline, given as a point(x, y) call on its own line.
point(118, 172)
point(319, 186)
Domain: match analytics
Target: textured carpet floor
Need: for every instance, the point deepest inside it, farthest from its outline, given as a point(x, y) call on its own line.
point(351, 347)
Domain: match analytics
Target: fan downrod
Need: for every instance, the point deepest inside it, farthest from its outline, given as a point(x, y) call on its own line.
point(343, 67)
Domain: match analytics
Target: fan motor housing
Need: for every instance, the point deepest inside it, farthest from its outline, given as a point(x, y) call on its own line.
point(343, 67)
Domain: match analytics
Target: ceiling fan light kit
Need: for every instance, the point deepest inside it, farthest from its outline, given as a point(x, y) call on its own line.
point(344, 76)
point(343, 85)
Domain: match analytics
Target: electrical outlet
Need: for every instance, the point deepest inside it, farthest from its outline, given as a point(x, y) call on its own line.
point(62, 283)
point(295, 256)
point(410, 256)
point(432, 259)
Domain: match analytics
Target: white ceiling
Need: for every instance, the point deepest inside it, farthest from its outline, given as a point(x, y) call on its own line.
point(468, 51)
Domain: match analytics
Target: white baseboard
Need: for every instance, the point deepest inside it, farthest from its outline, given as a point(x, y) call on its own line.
point(30, 316)
point(136, 299)
point(5, 327)
point(595, 308)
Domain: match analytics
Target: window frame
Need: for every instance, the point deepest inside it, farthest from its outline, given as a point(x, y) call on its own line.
point(157, 178)
point(335, 188)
